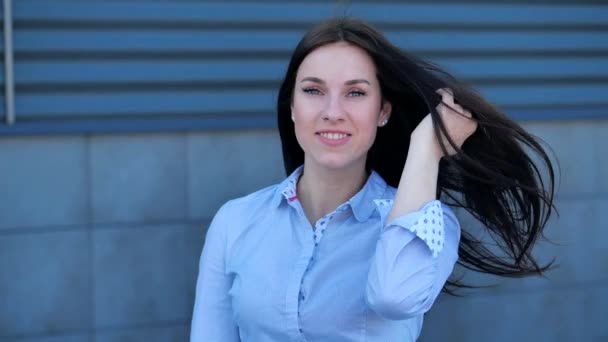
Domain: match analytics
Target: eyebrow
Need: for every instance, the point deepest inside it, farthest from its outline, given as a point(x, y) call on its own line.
point(320, 81)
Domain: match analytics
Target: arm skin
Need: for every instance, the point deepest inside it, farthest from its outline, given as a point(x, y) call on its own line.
point(418, 183)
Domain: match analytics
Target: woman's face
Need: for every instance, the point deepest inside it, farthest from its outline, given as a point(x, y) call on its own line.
point(337, 106)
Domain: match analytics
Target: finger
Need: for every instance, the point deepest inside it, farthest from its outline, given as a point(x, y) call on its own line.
point(450, 102)
point(446, 96)
point(445, 90)
point(467, 113)
point(453, 108)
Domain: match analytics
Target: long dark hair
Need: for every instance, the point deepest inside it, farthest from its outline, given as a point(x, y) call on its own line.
point(494, 176)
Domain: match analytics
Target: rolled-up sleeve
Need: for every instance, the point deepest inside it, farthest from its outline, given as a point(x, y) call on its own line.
point(212, 319)
point(414, 257)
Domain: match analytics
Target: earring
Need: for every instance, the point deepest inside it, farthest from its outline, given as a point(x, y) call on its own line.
point(383, 123)
point(292, 118)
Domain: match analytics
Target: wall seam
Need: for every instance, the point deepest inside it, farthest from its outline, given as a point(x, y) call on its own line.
point(90, 237)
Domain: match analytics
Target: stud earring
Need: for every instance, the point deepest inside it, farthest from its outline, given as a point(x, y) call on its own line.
point(383, 123)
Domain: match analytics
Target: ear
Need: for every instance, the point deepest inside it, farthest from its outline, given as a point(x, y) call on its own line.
point(385, 112)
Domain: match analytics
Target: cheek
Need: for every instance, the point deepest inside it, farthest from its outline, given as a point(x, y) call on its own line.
point(305, 113)
point(368, 129)
point(370, 136)
point(302, 128)
point(305, 107)
point(367, 119)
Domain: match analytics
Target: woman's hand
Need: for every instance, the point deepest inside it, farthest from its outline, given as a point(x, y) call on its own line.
point(457, 120)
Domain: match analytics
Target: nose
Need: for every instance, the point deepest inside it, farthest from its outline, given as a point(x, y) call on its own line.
point(333, 110)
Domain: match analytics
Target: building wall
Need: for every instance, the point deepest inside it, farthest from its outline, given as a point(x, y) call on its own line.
point(136, 120)
point(165, 65)
point(100, 237)
point(570, 303)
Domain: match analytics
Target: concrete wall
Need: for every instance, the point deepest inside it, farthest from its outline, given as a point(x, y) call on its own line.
point(100, 237)
point(570, 304)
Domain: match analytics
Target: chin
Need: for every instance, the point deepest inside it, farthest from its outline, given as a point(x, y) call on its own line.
point(338, 162)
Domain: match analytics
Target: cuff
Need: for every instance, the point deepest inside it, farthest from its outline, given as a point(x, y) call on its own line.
point(426, 223)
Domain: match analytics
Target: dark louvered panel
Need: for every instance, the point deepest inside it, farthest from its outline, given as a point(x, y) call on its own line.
point(290, 13)
point(3, 116)
point(42, 74)
point(219, 64)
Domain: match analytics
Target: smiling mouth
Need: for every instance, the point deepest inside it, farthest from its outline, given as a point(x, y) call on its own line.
point(334, 136)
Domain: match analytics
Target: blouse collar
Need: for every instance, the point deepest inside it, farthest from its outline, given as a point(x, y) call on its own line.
point(362, 203)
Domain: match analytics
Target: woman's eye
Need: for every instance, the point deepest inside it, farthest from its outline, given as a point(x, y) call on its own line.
point(311, 91)
point(356, 93)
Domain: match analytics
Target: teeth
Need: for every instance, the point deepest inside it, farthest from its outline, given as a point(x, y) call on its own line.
point(333, 136)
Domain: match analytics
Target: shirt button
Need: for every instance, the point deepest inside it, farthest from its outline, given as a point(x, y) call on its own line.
point(301, 330)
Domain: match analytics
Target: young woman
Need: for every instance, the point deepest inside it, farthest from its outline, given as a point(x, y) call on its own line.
point(359, 240)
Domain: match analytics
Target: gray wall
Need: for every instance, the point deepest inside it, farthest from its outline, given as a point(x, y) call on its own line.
point(571, 303)
point(100, 234)
point(100, 237)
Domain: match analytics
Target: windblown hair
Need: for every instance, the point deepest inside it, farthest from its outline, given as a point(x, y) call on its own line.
point(497, 176)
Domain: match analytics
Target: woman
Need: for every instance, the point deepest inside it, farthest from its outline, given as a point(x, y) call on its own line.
point(354, 245)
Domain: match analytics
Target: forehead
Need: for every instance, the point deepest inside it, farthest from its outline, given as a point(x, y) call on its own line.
point(338, 61)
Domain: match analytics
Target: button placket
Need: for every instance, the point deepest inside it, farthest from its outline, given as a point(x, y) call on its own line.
point(320, 230)
point(318, 233)
point(302, 296)
point(302, 293)
point(321, 225)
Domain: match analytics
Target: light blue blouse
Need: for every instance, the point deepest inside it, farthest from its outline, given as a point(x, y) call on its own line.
point(267, 275)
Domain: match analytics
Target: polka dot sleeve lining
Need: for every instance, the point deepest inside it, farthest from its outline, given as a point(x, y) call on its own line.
point(427, 223)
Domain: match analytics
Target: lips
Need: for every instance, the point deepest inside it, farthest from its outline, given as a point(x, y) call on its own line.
point(334, 138)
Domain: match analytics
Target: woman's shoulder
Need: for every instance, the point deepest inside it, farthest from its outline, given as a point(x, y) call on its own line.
point(260, 198)
point(235, 215)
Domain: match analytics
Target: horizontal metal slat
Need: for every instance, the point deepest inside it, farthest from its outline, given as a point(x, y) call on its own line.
point(148, 71)
point(251, 120)
point(201, 102)
point(142, 103)
point(128, 125)
point(297, 12)
point(218, 71)
point(526, 68)
point(284, 41)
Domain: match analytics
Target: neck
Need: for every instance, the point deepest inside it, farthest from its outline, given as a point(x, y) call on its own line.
point(321, 190)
